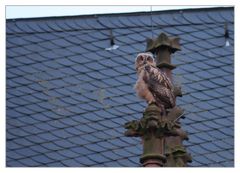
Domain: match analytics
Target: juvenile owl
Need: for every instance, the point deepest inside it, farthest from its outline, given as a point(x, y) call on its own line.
point(153, 85)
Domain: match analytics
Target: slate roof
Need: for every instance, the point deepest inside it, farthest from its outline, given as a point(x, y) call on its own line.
point(68, 97)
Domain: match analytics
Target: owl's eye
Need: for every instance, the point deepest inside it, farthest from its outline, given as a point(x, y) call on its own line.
point(149, 59)
point(140, 58)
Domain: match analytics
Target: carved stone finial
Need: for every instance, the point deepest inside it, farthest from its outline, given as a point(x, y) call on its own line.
point(163, 41)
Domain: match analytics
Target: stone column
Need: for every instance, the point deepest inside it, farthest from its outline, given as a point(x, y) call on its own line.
point(161, 131)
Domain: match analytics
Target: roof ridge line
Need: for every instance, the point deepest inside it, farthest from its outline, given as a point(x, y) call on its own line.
point(122, 14)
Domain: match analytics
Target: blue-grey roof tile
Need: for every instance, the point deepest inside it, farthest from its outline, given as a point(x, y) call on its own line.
point(47, 136)
point(38, 149)
point(94, 66)
point(110, 72)
point(197, 150)
point(135, 160)
point(85, 160)
point(44, 126)
point(14, 155)
point(27, 119)
point(204, 106)
point(195, 117)
point(216, 103)
point(25, 90)
point(107, 145)
point(217, 134)
point(92, 117)
point(13, 146)
point(120, 121)
point(31, 129)
point(133, 149)
point(227, 131)
point(90, 138)
point(125, 70)
point(64, 143)
point(81, 97)
point(215, 157)
point(98, 158)
point(190, 78)
point(111, 164)
point(29, 162)
point(55, 156)
point(76, 141)
point(210, 147)
point(50, 146)
point(192, 18)
point(108, 63)
point(48, 44)
point(215, 16)
point(71, 163)
point(14, 163)
point(85, 128)
point(80, 119)
point(13, 113)
point(126, 162)
point(12, 62)
point(221, 51)
point(81, 150)
point(35, 139)
point(208, 84)
point(55, 113)
point(96, 75)
point(202, 160)
point(95, 148)
point(27, 152)
point(100, 134)
point(228, 163)
point(68, 71)
point(125, 88)
point(42, 159)
point(201, 65)
point(112, 82)
point(229, 79)
point(200, 96)
point(204, 135)
point(223, 121)
point(111, 155)
point(67, 122)
point(200, 127)
point(122, 152)
point(118, 142)
point(225, 154)
point(221, 144)
point(62, 133)
point(219, 112)
point(204, 75)
point(23, 142)
point(228, 69)
point(67, 153)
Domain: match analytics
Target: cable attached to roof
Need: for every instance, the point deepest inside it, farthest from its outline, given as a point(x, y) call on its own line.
point(151, 21)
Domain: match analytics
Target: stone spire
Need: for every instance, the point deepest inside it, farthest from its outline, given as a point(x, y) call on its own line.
point(161, 132)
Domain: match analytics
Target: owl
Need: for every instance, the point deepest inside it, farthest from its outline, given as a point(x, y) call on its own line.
point(153, 85)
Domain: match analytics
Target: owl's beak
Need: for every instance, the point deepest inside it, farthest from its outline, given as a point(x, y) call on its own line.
point(144, 62)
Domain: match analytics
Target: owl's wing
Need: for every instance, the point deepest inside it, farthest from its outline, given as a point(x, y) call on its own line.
point(160, 86)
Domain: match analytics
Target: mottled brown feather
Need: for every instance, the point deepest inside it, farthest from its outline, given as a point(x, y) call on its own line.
point(153, 85)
